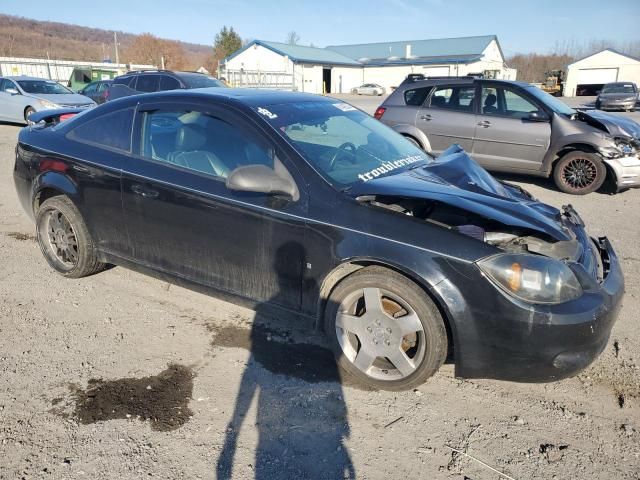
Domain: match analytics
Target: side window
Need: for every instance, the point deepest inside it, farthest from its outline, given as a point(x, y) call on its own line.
point(517, 106)
point(102, 87)
point(416, 96)
point(201, 142)
point(169, 83)
point(2, 84)
point(6, 84)
point(112, 130)
point(91, 88)
point(148, 83)
point(123, 81)
point(506, 103)
point(450, 97)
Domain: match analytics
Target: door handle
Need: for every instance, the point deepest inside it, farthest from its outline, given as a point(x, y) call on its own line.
point(426, 117)
point(144, 192)
point(484, 124)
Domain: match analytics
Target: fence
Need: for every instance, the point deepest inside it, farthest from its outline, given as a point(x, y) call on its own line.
point(258, 79)
point(58, 70)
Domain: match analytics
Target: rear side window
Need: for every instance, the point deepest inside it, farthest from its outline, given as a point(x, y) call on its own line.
point(416, 96)
point(112, 130)
point(169, 83)
point(123, 81)
point(451, 97)
point(148, 83)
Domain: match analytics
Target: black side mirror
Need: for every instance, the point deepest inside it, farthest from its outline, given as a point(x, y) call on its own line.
point(538, 117)
point(262, 179)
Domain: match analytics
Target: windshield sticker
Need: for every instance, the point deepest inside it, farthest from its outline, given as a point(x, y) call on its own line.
point(387, 167)
point(267, 113)
point(345, 107)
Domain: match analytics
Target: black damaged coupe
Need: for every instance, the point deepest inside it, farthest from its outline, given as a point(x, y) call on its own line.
point(309, 204)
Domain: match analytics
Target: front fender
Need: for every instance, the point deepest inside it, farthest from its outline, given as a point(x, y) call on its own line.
point(569, 141)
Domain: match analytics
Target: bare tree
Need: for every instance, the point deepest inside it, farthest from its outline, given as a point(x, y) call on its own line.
point(293, 38)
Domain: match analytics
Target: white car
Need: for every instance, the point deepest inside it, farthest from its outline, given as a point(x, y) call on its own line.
point(21, 96)
point(369, 89)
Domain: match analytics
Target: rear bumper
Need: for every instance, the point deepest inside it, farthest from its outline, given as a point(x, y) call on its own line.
point(505, 339)
point(626, 170)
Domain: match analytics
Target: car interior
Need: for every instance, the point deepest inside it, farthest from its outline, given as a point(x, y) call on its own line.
point(200, 142)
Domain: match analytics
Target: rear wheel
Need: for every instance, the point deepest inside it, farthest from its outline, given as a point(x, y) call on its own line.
point(579, 173)
point(64, 239)
point(385, 331)
point(28, 111)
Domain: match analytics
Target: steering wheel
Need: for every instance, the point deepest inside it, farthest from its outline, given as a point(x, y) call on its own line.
point(346, 147)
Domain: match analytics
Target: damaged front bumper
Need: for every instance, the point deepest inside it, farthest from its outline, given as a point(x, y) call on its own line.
point(626, 170)
point(500, 337)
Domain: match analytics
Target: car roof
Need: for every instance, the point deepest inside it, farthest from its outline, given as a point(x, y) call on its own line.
point(459, 80)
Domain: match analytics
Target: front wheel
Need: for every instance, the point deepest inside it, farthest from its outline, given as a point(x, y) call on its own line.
point(64, 239)
point(385, 331)
point(28, 111)
point(579, 173)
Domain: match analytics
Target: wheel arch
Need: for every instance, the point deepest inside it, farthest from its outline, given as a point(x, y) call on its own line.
point(348, 267)
point(52, 184)
point(408, 130)
point(569, 147)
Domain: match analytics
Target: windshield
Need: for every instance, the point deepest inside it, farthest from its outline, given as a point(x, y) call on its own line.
point(43, 87)
point(197, 80)
point(343, 144)
point(550, 101)
point(619, 88)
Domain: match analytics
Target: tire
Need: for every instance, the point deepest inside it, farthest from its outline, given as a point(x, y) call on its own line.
point(28, 111)
point(579, 173)
point(366, 345)
point(64, 239)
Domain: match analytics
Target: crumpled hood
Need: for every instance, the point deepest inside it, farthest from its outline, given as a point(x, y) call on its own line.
point(456, 179)
point(615, 125)
point(64, 98)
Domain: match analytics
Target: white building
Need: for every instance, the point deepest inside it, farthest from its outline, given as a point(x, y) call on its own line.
point(587, 75)
point(339, 68)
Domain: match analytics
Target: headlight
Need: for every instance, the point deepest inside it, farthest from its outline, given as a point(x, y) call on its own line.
point(46, 104)
point(532, 278)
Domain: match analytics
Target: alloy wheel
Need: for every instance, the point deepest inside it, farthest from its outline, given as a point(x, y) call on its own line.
point(62, 240)
point(579, 173)
point(380, 334)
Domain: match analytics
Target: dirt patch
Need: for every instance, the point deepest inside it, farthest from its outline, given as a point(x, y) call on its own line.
point(21, 236)
point(162, 399)
point(277, 352)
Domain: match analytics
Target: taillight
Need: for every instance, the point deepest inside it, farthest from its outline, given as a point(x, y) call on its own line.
point(67, 116)
point(379, 112)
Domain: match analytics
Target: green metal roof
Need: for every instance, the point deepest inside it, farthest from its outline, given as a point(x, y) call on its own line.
point(299, 53)
point(438, 50)
point(437, 47)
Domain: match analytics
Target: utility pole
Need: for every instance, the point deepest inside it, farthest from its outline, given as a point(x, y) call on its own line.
point(115, 42)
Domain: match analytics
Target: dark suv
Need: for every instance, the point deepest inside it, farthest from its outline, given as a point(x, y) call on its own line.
point(147, 81)
point(516, 127)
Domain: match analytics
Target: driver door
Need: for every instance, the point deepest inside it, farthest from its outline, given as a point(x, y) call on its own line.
point(182, 219)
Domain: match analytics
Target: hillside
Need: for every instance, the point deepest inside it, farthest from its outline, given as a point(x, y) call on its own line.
point(23, 37)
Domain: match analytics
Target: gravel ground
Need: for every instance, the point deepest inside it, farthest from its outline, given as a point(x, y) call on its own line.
point(124, 376)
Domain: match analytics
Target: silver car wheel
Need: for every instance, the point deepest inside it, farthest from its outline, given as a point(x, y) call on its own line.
point(380, 334)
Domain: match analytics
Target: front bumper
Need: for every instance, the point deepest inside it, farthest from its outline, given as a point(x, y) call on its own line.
point(616, 105)
point(626, 170)
point(499, 337)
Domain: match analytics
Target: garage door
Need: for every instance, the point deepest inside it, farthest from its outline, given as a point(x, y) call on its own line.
point(597, 75)
point(436, 71)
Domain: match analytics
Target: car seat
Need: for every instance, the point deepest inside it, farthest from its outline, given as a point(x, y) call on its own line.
point(189, 141)
point(490, 104)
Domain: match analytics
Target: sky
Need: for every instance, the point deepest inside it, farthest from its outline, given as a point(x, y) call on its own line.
point(522, 26)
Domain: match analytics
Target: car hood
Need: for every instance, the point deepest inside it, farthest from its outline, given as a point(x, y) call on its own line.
point(614, 125)
point(456, 179)
point(64, 98)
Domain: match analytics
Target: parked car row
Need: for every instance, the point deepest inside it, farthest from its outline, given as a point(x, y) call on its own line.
point(21, 96)
point(509, 126)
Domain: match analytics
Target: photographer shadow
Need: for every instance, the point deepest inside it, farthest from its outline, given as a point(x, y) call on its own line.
point(301, 413)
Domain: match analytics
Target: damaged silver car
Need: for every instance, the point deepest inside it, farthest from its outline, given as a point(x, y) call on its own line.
point(515, 127)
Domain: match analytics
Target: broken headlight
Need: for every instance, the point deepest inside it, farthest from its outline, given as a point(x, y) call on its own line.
point(532, 278)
